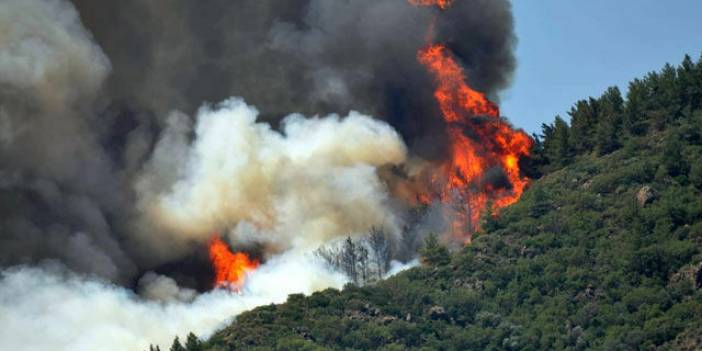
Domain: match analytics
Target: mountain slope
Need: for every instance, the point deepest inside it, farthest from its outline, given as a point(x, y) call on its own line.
point(603, 252)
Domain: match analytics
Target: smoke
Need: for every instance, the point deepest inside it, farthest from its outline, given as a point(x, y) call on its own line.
point(111, 165)
point(307, 56)
point(157, 287)
point(86, 131)
point(52, 309)
point(313, 181)
point(57, 188)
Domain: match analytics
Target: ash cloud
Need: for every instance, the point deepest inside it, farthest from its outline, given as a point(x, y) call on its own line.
point(87, 89)
point(306, 56)
point(99, 174)
point(58, 192)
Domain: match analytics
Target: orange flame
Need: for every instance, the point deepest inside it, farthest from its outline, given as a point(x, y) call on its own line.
point(455, 97)
point(231, 268)
point(442, 4)
point(492, 143)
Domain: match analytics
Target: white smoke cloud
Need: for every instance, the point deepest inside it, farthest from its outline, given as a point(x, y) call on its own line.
point(49, 309)
point(313, 181)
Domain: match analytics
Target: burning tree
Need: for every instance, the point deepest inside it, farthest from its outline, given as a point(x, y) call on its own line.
point(480, 143)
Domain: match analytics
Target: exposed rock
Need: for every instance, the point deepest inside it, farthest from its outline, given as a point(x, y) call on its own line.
point(408, 318)
point(370, 310)
point(590, 293)
point(645, 195)
point(691, 274)
point(356, 315)
point(437, 312)
point(689, 340)
point(469, 283)
point(387, 320)
point(526, 251)
point(304, 333)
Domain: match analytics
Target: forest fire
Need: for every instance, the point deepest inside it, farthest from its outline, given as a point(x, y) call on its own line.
point(479, 142)
point(231, 268)
point(442, 4)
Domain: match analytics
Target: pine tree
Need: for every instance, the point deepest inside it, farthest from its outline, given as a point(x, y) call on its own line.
point(539, 203)
point(349, 259)
point(608, 134)
point(558, 149)
point(695, 175)
point(433, 253)
point(583, 122)
point(193, 343)
point(673, 159)
point(177, 346)
point(635, 111)
point(363, 262)
point(380, 249)
point(488, 221)
point(689, 86)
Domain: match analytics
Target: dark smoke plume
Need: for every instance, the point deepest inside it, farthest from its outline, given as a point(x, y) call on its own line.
point(73, 140)
point(307, 56)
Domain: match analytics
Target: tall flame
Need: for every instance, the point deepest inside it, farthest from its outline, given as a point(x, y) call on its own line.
point(492, 142)
point(442, 4)
point(231, 268)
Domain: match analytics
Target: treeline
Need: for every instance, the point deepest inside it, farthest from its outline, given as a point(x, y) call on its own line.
point(192, 343)
point(603, 125)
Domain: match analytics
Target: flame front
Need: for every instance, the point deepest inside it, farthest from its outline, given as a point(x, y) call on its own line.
point(442, 4)
point(479, 141)
point(231, 268)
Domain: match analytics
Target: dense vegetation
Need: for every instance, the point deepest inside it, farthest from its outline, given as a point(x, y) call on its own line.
point(602, 252)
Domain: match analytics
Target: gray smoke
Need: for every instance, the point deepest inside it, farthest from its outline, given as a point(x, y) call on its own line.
point(58, 190)
point(87, 88)
point(108, 168)
point(305, 56)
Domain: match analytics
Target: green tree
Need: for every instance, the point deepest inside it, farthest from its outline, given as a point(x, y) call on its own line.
point(489, 221)
point(434, 253)
point(558, 150)
point(192, 343)
point(636, 105)
point(607, 138)
point(673, 159)
point(695, 175)
point(177, 346)
point(539, 203)
point(690, 84)
point(583, 119)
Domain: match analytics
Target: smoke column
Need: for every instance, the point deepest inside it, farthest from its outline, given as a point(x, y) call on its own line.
point(131, 131)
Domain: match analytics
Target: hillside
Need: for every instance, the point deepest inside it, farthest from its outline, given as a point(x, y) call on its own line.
point(602, 252)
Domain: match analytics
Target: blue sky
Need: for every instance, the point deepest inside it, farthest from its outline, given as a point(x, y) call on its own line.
point(569, 50)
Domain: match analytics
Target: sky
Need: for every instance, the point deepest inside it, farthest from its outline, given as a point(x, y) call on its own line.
point(570, 50)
